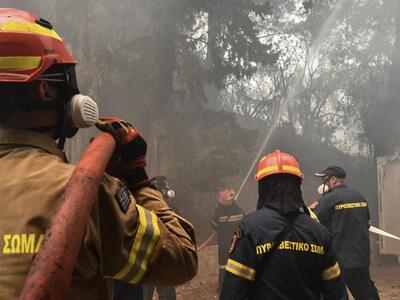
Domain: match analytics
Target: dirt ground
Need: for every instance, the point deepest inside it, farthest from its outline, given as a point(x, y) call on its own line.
point(385, 272)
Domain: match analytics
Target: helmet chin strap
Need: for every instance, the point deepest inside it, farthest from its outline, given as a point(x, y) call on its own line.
point(64, 130)
point(76, 111)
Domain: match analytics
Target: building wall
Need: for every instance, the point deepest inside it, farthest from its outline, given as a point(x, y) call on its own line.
point(389, 204)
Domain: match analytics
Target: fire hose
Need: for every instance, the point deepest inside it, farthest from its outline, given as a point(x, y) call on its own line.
point(383, 233)
point(207, 241)
point(52, 267)
point(371, 229)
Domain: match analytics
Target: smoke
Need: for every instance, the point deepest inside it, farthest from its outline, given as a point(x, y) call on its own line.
point(315, 78)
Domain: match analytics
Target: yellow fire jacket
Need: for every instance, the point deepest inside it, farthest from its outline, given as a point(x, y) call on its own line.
point(135, 238)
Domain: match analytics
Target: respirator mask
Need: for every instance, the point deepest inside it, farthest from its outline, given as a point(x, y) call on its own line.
point(323, 189)
point(82, 111)
point(170, 194)
point(78, 111)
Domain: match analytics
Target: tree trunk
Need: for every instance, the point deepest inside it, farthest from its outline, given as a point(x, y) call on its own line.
point(212, 39)
point(165, 16)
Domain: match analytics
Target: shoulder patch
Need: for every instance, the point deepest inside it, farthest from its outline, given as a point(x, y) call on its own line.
point(236, 236)
point(124, 198)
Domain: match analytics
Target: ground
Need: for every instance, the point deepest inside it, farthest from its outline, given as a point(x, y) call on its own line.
point(385, 272)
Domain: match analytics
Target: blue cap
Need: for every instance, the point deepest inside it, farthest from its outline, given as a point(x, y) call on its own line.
point(332, 171)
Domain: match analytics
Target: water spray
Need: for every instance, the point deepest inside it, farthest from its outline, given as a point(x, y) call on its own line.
point(293, 88)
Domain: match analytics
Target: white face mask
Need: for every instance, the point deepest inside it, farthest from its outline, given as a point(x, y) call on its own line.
point(323, 189)
point(82, 111)
point(171, 194)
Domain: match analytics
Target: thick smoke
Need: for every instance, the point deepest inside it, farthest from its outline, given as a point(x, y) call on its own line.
point(205, 81)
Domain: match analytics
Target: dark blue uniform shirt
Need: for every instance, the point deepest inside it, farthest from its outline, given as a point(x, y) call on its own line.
point(345, 214)
point(226, 219)
point(304, 265)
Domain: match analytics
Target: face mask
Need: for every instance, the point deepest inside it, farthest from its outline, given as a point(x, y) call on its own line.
point(170, 194)
point(82, 111)
point(323, 189)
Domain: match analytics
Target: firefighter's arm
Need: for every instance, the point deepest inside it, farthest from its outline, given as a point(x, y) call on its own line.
point(160, 240)
point(234, 288)
point(215, 220)
point(173, 260)
point(240, 268)
point(125, 241)
point(369, 217)
point(324, 213)
point(333, 286)
point(334, 290)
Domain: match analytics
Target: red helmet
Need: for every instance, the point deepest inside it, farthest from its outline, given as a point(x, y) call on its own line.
point(278, 162)
point(28, 46)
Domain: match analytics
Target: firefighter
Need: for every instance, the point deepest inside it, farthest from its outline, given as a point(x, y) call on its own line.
point(280, 251)
point(132, 235)
point(226, 218)
point(161, 183)
point(345, 214)
point(164, 292)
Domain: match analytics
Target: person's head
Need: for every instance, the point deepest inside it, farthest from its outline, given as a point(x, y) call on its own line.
point(226, 196)
point(332, 176)
point(279, 180)
point(160, 182)
point(38, 87)
point(162, 185)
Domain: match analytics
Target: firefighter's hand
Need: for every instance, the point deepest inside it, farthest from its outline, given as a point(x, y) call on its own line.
point(131, 147)
point(314, 205)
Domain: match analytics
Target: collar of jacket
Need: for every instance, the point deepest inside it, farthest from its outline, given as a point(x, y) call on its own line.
point(17, 137)
point(339, 187)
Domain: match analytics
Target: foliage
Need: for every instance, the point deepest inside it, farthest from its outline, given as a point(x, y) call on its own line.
point(336, 73)
point(182, 71)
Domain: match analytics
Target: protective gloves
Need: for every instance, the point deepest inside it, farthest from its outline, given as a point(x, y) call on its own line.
point(129, 159)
